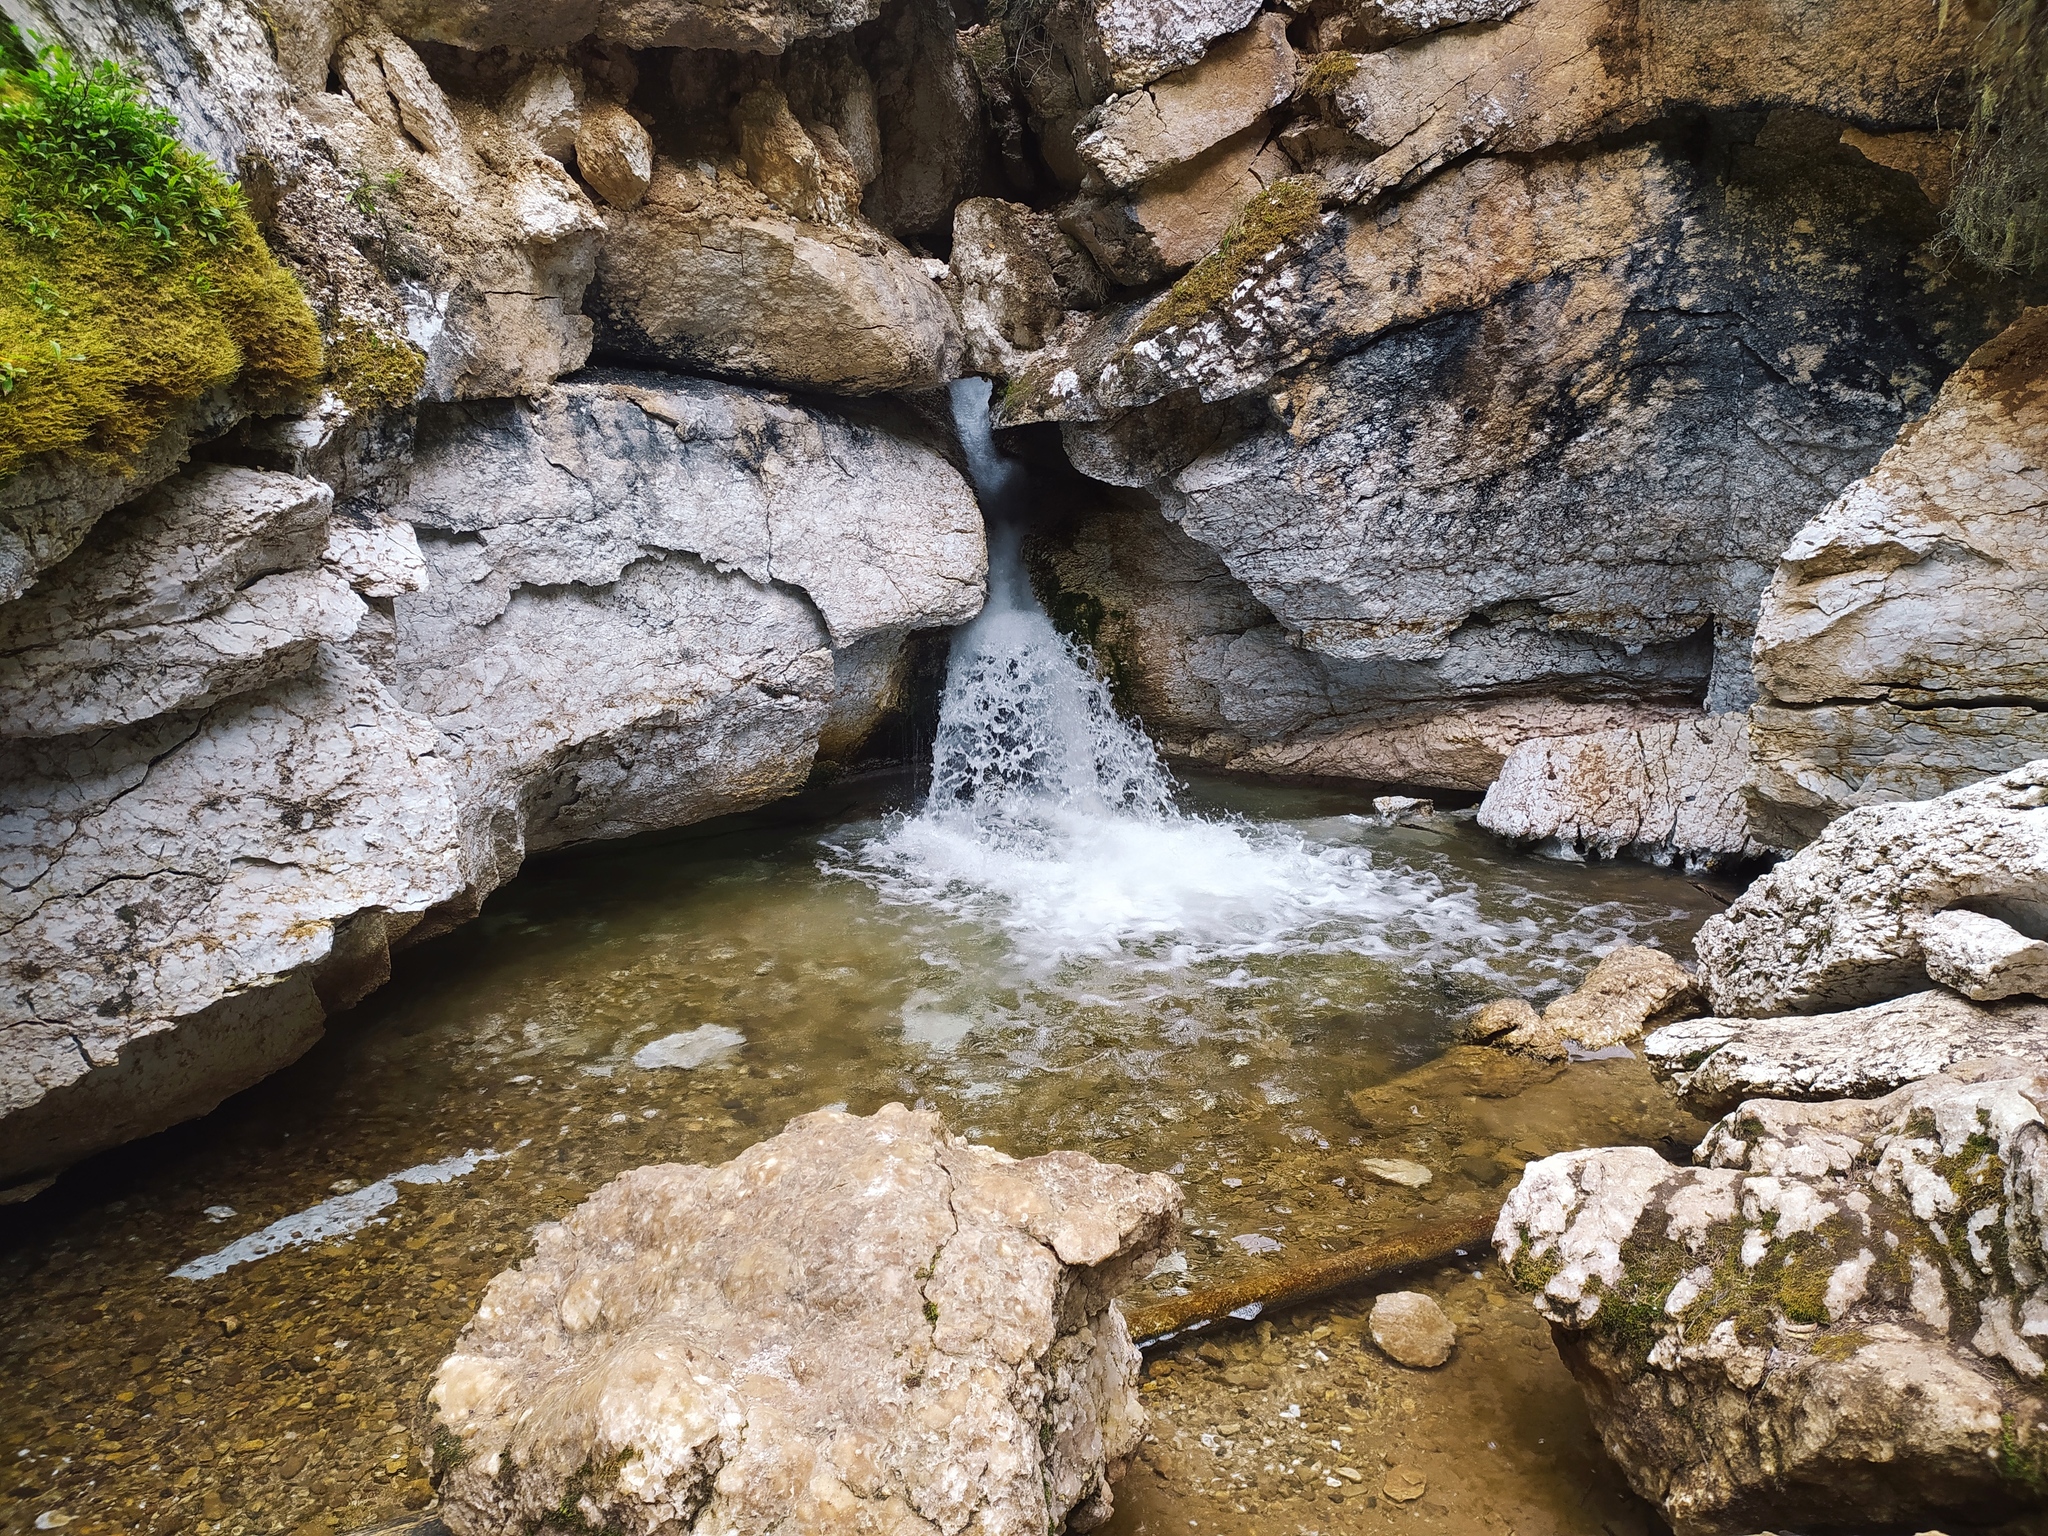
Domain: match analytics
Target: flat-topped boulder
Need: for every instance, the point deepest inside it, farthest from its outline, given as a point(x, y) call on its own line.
point(859, 1324)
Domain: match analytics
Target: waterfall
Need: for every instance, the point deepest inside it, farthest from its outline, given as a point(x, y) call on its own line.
point(1027, 729)
point(1052, 820)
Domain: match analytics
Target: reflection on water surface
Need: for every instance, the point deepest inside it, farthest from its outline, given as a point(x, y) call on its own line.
point(1205, 997)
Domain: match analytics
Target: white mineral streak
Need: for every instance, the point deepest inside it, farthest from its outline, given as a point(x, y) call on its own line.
point(333, 1218)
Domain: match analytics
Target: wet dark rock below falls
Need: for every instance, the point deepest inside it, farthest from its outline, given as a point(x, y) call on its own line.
point(287, 1393)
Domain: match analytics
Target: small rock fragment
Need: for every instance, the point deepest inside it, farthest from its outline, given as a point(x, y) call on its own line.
point(1412, 1329)
point(614, 154)
point(1502, 1016)
point(1404, 1485)
point(691, 1048)
point(1397, 1170)
point(1631, 988)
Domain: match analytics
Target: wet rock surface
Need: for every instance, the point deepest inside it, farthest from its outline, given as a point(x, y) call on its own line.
point(1832, 1310)
point(1411, 1329)
point(1859, 1053)
point(855, 1313)
point(1865, 911)
point(1630, 989)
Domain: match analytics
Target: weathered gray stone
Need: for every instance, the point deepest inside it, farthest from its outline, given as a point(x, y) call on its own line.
point(211, 586)
point(1013, 276)
point(1672, 789)
point(1899, 649)
point(1843, 1310)
point(637, 590)
point(928, 120)
point(952, 1355)
point(748, 26)
point(1844, 921)
point(1861, 1053)
point(707, 274)
point(189, 873)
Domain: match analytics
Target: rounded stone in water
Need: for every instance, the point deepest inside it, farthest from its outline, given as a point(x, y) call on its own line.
point(691, 1048)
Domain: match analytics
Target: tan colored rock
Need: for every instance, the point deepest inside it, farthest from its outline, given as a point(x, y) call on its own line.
point(211, 586)
point(807, 180)
point(1411, 1329)
point(614, 154)
point(1920, 592)
point(1173, 220)
point(948, 1352)
point(1630, 989)
point(1860, 1053)
point(1798, 1327)
point(547, 106)
point(710, 276)
point(747, 26)
point(1560, 71)
point(1672, 789)
point(1136, 136)
point(1504, 1015)
point(1928, 157)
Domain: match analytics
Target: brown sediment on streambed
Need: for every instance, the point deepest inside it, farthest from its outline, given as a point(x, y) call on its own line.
point(1430, 1243)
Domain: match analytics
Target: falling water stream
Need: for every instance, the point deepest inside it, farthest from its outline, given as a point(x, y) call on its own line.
point(1253, 986)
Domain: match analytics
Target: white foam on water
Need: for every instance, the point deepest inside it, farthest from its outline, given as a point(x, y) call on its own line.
point(338, 1217)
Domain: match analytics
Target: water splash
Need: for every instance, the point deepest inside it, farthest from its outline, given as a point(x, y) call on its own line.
point(1052, 819)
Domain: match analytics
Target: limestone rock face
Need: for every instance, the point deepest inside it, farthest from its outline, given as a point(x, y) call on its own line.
point(1557, 71)
point(212, 586)
point(1860, 1053)
point(173, 888)
point(1172, 220)
point(644, 593)
point(1659, 791)
point(1013, 276)
point(707, 274)
point(747, 26)
point(1200, 660)
point(947, 1350)
point(1899, 649)
point(1874, 906)
point(1136, 136)
point(1841, 1309)
point(928, 121)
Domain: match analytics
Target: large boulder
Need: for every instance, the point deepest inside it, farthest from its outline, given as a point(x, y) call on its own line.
point(1171, 221)
point(1898, 651)
point(1671, 789)
point(648, 594)
point(707, 274)
point(1860, 1053)
point(1840, 1313)
point(859, 1324)
point(1954, 889)
point(1134, 137)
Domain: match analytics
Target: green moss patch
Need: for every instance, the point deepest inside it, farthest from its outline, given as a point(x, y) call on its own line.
point(1329, 71)
point(1999, 211)
point(132, 280)
point(1285, 211)
point(372, 370)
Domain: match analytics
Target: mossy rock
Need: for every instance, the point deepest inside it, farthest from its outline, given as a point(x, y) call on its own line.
point(132, 279)
point(1287, 210)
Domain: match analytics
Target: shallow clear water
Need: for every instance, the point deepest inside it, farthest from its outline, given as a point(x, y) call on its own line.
point(1208, 995)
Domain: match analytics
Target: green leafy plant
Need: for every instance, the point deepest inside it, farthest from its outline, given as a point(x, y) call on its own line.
point(132, 280)
point(1999, 211)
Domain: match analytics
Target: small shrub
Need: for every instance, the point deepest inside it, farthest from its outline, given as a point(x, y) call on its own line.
point(1285, 211)
point(1999, 211)
point(132, 281)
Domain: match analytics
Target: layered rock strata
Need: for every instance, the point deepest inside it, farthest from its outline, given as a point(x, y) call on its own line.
point(255, 741)
point(1953, 890)
point(861, 1323)
point(1840, 1308)
point(1899, 652)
